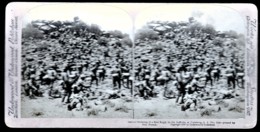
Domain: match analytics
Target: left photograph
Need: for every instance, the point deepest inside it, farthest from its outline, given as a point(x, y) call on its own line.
point(77, 62)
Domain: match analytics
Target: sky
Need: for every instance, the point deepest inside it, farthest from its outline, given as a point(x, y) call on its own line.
point(127, 17)
point(107, 17)
point(222, 18)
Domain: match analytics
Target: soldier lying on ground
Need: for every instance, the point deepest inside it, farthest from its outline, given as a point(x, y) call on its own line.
point(146, 90)
point(76, 101)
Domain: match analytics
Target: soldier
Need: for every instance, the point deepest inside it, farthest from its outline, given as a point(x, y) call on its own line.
point(24, 68)
point(194, 85)
point(183, 80)
point(146, 72)
point(240, 74)
point(42, 73)
point(101, 72)
point(116, 74)
point(208, 75)
point(157, 73)
point(86, 65)
point(76, 101)
point(216, 73)
point(71, 79)
point(137, 72)
point(29, 71)
point(94, 74)
point(190, 103)
point(49, 78)
point(106, 54)
point(126, 75)
point(32, 87)
point(164, 77)
point(146, 90)
point(80, 85)
point(169, 91)
point(230, 73)
point(201, 65)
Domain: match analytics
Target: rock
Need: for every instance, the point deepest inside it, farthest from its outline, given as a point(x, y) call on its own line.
point(212, 103)
point(223, 103)
point(236, 109)
point(122, 108)
point(206, 112)
point(30, 59)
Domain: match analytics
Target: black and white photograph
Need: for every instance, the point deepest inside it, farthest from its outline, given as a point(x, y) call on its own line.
point(189, 64)
point(72, 64)
point(135, 64)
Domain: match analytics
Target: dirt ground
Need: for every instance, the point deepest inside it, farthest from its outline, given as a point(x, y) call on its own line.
point(136, 107)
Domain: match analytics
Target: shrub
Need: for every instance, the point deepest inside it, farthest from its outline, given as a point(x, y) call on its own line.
point(172, 25)
point(79, 26)
point(241, 41)
point(117, 34)
point(218, 42)
point(209, 29)
point(192, 28)
point(30, 32)
point(144, 33)
point(232, 34)
point(157, 47)
point(94, 28)
point(127, 41)
point(196, 26)
point(102, 41)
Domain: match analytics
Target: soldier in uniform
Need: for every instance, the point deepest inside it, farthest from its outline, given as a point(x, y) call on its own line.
point(76, 101)
point(126, 75)
point(101, 72)
point(137, 72)
point(116, 74)
point(240, 74)
point(146, 89)
point(50, 78)
point(230, 73)
point(183, 80)
point(32, 87)
point(216, 73)
point(80, 85)
point(106, 54)
point(208, 75)
point(71, 79)
point(94, 74)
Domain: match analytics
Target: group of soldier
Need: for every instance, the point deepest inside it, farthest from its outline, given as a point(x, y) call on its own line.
point(76, 70)
point(189, 73)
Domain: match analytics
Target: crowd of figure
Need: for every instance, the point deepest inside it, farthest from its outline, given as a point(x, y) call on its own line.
point(75, 66)
point(188, 70)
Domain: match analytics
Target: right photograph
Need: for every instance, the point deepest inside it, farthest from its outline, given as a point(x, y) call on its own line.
point(189, 63)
